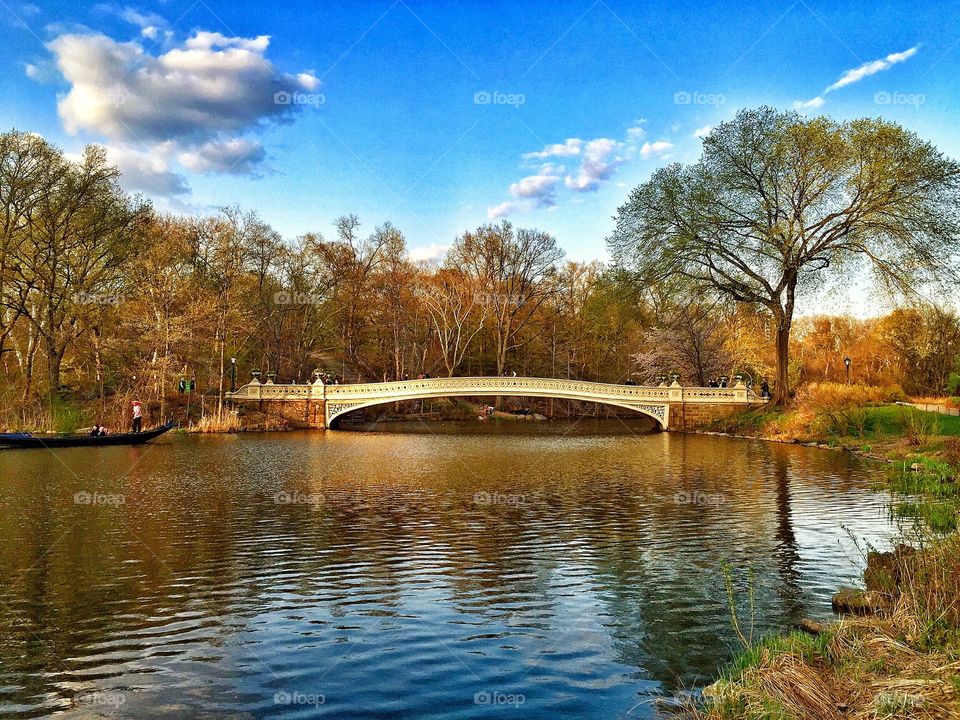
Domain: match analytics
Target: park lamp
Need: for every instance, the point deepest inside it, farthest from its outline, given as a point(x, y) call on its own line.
point(233, 374)
point(848, 362)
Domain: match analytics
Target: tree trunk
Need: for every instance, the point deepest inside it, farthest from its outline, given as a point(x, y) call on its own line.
point(54, 358)
point(781, 388)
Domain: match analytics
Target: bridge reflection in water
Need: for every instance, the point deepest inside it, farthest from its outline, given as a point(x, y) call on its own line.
point(672, 407)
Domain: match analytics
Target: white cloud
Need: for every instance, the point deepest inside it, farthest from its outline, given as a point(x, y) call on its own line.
point(872, 68)
point(148, 171)
point(595, 162)
point(654, 149)
point(568, 148)
point(237, 156)
point(701, 132)
point(854, 75)
point(505, 209)
point(539, 188)
point(637, 132)
point(601, 158)
point(210, 84)
point(151, 25)
point(434, 253)
point(812, 103)
point(203, 95)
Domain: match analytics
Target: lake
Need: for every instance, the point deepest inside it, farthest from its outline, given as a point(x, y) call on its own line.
point(456, 570)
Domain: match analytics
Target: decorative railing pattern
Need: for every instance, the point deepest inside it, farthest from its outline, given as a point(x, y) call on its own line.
point(652, 400)
point(365, 392)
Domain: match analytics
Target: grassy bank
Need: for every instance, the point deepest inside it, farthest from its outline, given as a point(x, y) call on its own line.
point(898, 654)
point(901, 661)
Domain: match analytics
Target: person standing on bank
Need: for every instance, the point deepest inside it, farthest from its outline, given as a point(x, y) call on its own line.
point(137, 416)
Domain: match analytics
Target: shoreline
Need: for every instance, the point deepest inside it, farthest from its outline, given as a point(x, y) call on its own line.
point(892, 653)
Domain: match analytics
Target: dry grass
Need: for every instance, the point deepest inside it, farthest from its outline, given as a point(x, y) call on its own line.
point(901, 664)
point(228, 422)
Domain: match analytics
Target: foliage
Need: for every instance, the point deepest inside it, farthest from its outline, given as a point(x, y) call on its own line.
point(777, 201)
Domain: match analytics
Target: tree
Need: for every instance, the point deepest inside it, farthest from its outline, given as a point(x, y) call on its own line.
point(509, 268)
point(690, 341)
point(457, 313)
point(777, 201)
point(70, 247)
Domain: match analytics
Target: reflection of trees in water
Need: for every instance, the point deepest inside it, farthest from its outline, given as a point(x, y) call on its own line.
point(399, 532)
point(787, 553)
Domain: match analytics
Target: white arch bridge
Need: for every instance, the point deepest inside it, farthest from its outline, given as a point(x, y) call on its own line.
point(672, 407)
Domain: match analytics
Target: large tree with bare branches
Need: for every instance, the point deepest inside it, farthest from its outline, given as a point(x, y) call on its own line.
point(509, 267)
point(778, 202)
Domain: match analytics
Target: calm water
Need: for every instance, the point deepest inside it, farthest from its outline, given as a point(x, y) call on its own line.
point(533, 573)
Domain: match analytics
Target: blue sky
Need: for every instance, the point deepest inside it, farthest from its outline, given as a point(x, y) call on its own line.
point(440, 116)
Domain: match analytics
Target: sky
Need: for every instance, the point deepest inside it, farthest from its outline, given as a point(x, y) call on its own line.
point(442, 116)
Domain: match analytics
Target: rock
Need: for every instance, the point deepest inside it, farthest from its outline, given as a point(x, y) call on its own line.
point(857, 602)
point(811, 627)
point(884, 569)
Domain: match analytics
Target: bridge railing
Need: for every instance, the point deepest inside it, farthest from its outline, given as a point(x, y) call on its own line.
point(489, 385)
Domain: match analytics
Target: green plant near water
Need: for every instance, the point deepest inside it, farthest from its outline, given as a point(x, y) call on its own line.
point(929, 493)
point(848, 420)
point(919, 427)
point(745, 638)
point(65, 416)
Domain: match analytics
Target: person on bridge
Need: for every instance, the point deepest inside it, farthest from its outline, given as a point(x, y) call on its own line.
point(765, 389)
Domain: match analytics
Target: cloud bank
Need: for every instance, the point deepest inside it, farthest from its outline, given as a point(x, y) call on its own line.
point(197, 102)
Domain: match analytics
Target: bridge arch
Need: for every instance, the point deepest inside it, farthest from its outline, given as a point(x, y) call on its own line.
point(657, 413)
point(651, 402)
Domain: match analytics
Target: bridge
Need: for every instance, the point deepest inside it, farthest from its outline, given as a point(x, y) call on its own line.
point(671, 406)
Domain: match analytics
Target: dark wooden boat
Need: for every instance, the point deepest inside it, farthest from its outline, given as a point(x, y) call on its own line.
point(26, 440)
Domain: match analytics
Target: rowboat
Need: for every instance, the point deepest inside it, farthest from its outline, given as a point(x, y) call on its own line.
point(26, 440)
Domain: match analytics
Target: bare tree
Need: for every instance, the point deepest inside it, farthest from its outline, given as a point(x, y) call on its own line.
point(509, 268)
point(457, 312)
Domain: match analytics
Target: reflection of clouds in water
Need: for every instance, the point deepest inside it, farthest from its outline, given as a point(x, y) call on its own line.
point(598, 588)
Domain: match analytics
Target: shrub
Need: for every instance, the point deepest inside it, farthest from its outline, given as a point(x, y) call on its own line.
point(830, 395)
point(842, 409)
point(919, 426)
